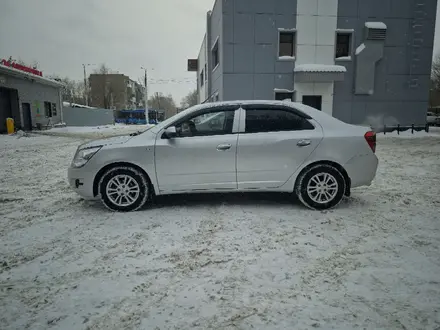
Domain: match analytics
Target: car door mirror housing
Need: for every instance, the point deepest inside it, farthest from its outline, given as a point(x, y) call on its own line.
point(170, 132)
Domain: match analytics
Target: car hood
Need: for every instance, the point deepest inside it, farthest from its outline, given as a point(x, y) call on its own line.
point(106, 142)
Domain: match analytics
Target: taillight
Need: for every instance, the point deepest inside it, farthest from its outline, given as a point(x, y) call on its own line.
point(370, 137)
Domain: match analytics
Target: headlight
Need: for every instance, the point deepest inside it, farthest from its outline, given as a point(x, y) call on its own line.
point(82, 156)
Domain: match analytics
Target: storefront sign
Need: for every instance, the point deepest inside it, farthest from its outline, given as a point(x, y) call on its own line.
point(21, 67)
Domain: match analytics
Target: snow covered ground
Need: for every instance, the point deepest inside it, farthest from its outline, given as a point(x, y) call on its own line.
point(219, 262)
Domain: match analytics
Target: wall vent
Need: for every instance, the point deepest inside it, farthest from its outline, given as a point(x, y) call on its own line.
point(376, 34)
point(376, 31)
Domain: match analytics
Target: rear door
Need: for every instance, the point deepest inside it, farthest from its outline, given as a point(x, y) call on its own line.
point(275, 142)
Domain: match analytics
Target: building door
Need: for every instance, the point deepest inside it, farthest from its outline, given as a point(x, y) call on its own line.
point(27, 116)
point(314, 101)
point(5, 108)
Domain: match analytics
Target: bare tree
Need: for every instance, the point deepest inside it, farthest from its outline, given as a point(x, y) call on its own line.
point(158, 101)
point(189, 100)
point(72, 91)
point(105, 88)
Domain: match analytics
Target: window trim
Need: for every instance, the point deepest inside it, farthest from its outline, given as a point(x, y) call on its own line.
point(216, 47)
point(280, 91)
point(53, 106)
point(295, 44)
point(233, 108)
point(350, 33)
point(280, 108)
point(45, 110)
point(202, 78)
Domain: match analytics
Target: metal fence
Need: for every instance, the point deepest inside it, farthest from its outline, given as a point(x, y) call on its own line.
point(87, 116)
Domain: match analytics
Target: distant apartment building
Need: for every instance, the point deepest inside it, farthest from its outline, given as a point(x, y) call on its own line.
point(353, 59)
point(115, 91)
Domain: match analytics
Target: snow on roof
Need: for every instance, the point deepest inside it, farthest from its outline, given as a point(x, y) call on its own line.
point(286, 58)
point(30, 76)
point(375, 25)
point(320, 68)
point(360, 49)
point(76, 105)
point(287, 29)
point(283, 90)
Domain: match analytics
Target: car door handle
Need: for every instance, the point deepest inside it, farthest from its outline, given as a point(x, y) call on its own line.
point(223, 147)
point(303, 143)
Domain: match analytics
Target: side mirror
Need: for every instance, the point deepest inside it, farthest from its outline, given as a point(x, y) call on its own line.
point(170, 132)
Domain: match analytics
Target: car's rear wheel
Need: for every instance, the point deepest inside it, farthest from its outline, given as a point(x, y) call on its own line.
point(321, 187)
point(124, 189)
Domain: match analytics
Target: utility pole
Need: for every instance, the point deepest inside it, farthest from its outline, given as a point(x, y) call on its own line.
point(86, 101)
point(86, 90)
point(147, 117)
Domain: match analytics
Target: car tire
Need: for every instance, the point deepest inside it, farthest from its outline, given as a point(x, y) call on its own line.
point(124, 189)
point(321, 187)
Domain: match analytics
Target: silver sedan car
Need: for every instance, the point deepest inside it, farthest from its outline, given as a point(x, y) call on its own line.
point(241, 146)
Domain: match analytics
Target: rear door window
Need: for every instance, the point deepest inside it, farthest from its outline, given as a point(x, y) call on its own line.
point(274, 120)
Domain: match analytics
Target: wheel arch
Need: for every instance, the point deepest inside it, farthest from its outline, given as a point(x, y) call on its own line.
point(338, 166)
point(101, 172)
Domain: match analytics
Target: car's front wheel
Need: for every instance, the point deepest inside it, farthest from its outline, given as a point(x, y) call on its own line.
point(321, 187)
point(124, 189)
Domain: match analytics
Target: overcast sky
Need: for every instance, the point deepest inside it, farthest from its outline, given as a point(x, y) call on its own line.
point(125, 35)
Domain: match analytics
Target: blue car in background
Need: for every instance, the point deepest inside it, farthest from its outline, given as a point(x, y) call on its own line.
point(137, 117)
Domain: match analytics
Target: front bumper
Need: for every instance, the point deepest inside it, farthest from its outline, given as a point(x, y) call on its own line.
point(81, 181)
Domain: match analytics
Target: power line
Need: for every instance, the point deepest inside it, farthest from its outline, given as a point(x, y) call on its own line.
point(152, 82)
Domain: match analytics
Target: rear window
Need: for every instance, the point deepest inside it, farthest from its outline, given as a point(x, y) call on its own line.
point(275, 120)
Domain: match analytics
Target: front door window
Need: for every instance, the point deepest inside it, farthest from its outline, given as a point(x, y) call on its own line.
point(207, 124)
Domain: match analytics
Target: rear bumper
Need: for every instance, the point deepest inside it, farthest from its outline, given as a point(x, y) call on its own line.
point(81, 182)
point(362, 169)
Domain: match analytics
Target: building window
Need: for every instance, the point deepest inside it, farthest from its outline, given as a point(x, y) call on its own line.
point(215, 54)
point(282, 96)
point(206, 72)
point(47, 109)
point(202, 78)
point(50, 109)
point(286, 44)
point(343, 45)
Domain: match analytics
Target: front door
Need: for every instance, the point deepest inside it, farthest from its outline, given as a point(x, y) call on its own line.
point(202, 157)
point(27, 116)
point(276, 142)
point(5, 108)
point(314, 101)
